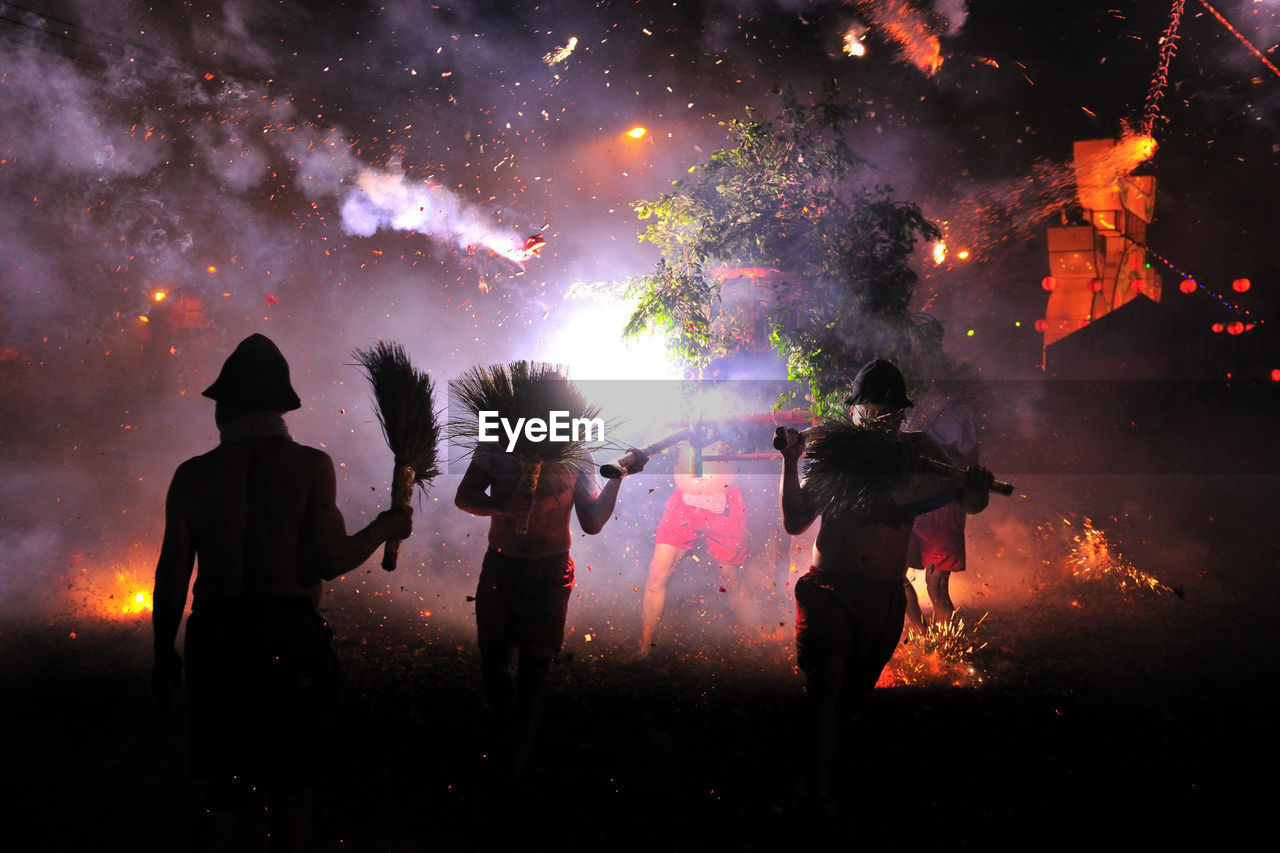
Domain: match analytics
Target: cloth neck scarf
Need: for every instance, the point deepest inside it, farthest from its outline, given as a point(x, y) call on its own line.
point(247, 426)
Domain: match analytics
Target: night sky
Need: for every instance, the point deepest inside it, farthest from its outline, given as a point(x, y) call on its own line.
point(225, 154)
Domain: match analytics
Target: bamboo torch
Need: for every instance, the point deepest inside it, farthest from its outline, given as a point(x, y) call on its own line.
point(530, 470)
point(406, 410)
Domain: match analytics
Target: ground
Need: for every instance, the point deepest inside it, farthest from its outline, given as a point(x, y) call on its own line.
point(1103, 715)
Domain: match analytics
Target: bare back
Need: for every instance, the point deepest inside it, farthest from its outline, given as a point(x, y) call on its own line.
point(248, 508)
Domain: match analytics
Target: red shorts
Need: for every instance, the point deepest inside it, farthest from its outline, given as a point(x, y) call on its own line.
point(522, 603)
point(937, 540)
point(683, 525)
point(857, 621)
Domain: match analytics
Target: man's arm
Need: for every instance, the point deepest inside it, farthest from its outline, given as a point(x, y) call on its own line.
point(976, 492)
point(797, 515)
point(594, 510)
point(339, 553)
point(475, 495)
point(169, 595)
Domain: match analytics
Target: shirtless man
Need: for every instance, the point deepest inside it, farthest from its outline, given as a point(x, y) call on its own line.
point(525, 581)
point(259, 515)
point(850, 604)
point(710, 507)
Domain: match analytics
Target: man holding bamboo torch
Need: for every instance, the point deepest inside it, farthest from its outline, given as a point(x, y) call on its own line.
point(865, 478)
point(259, 513)
point(529, 491)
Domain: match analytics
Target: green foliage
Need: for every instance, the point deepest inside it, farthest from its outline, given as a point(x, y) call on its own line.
point(786, 196)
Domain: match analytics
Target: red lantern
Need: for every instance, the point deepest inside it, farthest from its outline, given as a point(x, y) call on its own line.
point(1236, 328)
point(1188, 285)
point(1217, 328)
point(1041, 324)
point(1240, 285)
point(1275, 374)
point(1048, 282)
point(1136, 285)
point(1096, 285)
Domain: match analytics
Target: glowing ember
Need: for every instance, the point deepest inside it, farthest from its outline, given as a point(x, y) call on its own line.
point(939, 253)
point(1094, 557)
point(211, 269)
point(159, 296)
point(636, 132)
point(560, 54)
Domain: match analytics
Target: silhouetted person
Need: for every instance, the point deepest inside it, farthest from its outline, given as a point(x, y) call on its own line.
point(258, 517)
point(850, 604)
point(706, 506)
point(522, 597)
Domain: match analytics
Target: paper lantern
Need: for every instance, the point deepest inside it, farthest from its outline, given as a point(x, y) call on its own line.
point(1096, 285)
point(1275, 374)
point(1136, 285)
point(1240, 285)
point(1217, 328)
point(1041, 324)
point(1236, 328)
point(1188, 285)
point(1048, 282)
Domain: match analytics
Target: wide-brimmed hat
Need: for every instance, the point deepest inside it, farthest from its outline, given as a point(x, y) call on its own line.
point(255, 376)
point(881, 383)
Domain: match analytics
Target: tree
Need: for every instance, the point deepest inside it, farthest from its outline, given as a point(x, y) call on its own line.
point(788, 200)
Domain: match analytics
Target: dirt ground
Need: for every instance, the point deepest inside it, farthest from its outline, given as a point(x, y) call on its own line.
point(1103, 716)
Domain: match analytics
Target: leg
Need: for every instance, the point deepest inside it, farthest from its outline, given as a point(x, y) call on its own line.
point(495, 670)
point(915, 620)
point(531, 672)
point(823, 681)
point(938, 583)
point(664, 561)
point(734, 579)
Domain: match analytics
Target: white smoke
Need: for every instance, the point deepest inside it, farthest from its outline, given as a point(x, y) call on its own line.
point(389, 199)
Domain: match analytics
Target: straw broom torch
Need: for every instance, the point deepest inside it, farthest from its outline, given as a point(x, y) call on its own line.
point(942, 469)
point(406, 411)
point(523, 389)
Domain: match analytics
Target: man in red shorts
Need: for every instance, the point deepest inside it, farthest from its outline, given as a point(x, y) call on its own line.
point(850, 604)
point(937, 539)
point(709, 507)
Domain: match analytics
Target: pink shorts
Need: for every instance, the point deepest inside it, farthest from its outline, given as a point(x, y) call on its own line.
point(937, 539)
point(683, 525)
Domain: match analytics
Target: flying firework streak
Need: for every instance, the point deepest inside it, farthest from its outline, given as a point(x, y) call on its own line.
point(560, 54)
point(1243, 40)
point(908, 28)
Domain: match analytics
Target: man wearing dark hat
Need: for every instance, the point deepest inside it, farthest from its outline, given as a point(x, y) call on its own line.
point(259, 514)
point(850, 604)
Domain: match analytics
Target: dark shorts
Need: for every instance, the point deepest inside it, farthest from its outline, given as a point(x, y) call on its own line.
point(937, 539)
point(859, 622)
point(683, 525)
point(523, 603)
point(263, 684)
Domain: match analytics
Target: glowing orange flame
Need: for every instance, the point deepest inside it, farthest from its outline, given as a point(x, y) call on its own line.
point(636, 132)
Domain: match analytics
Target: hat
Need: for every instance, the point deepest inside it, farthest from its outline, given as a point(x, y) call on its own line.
point(255, 376)
point(881, 383)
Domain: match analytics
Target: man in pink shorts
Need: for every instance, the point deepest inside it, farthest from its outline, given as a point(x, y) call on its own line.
point(709, 507)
